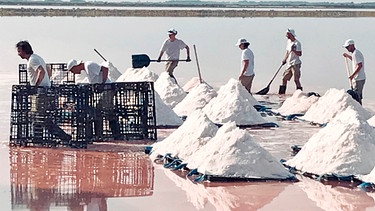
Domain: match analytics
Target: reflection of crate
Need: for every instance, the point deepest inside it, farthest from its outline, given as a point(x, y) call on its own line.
point(60, 75)
point(125, 110)
point(52, 177)
point(50, 117)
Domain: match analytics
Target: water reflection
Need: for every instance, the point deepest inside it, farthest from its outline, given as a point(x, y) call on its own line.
point(80, 180)
point(227, 196)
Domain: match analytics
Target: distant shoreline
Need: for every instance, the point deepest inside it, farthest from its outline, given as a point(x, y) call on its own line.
point(84, 12)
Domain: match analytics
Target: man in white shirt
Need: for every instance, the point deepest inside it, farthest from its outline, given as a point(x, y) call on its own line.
point(98, 74)
point(172, 47)
point(358, 64)
point(38, 75)
point(293, 52)
point(247, 64)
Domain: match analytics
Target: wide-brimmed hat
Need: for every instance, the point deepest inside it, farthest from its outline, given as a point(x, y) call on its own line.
point(241, 41)
point(348, 42)
point(291, 31)
point(73, 63)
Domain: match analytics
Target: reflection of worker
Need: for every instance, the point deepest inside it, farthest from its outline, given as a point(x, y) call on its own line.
point(98, 74)
point(172, 47)
point(39, 77)
point(97, 204)
point(292, 60)
point(247, 64)
point(358, 64)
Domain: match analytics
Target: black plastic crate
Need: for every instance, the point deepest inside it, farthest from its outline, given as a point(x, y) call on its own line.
point(124, 111)
point(50, 116)
point(59, 74)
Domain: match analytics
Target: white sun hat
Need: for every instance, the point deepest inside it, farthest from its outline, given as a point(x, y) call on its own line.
point(290, 30)
point(348, 42)
point(172, 31)
point(241, 41)
point(72, 63)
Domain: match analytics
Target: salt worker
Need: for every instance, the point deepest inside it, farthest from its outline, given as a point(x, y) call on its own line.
point(358, 64)
point(247, 64)
point(292, 60)
point(172, 46)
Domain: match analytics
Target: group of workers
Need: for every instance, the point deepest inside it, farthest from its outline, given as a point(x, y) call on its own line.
point(293, 62)
point(172, 46)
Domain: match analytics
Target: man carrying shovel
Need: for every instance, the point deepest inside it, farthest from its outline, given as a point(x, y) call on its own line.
point(358, 65)
point(172, 47)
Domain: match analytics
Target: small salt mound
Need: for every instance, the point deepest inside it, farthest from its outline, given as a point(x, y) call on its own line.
point(331, 104)
point(234, 153)
point(298, 103)
point(165, 116)
point(198, 97)
point(371, 121)
point(188, 138)
point(193, 83)
point(138, 74)
point(343, 147)
point(169, 91)
point(113, 72)
point(233, 103)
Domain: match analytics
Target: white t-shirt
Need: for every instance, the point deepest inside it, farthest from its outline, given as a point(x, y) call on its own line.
point(33, 63)
point(94, 73)
point(172, 49)
point(357, 57)
point(247, 54)
point(293, 58)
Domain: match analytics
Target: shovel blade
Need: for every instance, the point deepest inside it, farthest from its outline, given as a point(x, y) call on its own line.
point(140, 60)
point(263, 91)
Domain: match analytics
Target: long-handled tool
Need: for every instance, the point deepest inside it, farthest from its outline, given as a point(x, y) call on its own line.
point(100, 55)
point(143, 60)
point(265, 90)
point(199, 70)
point(351, 91)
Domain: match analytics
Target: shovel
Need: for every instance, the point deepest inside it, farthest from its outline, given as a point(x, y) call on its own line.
point(351, 91)
point(142, 60)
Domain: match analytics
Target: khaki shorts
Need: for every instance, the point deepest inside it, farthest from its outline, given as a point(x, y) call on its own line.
point(247, 82)
point(170, 66)
point(294, 70)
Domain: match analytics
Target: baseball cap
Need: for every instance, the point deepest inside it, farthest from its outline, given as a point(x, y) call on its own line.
point(290, 30)
point(241, 40)
point(72, 63)
point(172, 31)
point(348, 42)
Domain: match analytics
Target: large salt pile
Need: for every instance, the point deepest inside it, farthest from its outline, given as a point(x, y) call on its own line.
point(165, 116)
point(188, 138)
point(169, 91)
point(234, 153)
point(332, 103)
point(298, 103)
point(345, 147)
point(198, 97)
point(233, 103)
point(138, 74)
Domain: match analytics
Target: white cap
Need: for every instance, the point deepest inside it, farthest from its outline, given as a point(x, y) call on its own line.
point(72, 63)
point(241, 41)
point(348, 42)
point(172, 31)
point(290, 30)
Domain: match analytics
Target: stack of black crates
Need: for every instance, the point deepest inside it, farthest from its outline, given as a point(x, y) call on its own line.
point(75, 115)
